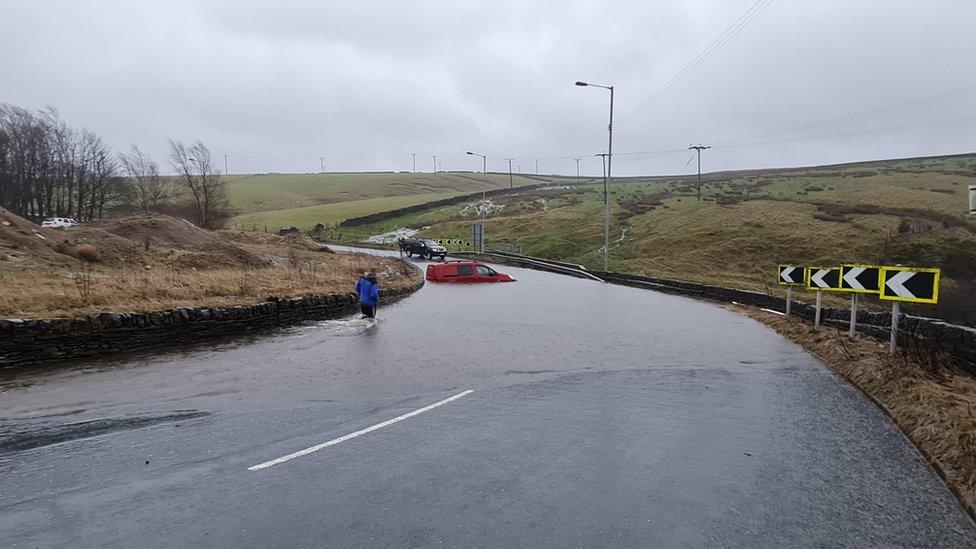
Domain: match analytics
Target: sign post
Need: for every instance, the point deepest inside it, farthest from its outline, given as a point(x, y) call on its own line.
point(820, 279)
point(907, 284)
point(864, 279)
point(789, 276)
point(478, 237)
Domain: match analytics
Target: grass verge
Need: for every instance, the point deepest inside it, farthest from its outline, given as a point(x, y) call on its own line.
point(85, 288)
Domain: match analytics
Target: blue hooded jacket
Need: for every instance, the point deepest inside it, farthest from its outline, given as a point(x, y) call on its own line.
point(360, 285)
point(370, 294)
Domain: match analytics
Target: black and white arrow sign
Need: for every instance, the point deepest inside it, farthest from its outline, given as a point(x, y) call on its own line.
point(791, 275)
point(907, 284)
point(860, 278)
point(824, 278)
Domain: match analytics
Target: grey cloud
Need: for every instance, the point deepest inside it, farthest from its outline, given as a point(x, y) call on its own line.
point(367, 83)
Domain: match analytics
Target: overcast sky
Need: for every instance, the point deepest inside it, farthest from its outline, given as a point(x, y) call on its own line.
point(365, 84)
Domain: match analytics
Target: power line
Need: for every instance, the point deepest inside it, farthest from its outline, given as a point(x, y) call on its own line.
point(910, 103)
point(734, 29)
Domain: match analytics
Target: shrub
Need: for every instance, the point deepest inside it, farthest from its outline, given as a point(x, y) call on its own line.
point(87, 252)
point(813, 189)
point(63, 248)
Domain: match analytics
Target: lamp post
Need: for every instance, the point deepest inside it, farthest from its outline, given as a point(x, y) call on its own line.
point(484, 195)
point(606, 178)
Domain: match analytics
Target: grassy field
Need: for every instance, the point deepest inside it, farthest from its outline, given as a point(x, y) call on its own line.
point(302, 200)
point(327, 214)
point(911, 212)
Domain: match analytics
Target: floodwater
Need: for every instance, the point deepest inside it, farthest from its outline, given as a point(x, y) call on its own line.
point(583, 414)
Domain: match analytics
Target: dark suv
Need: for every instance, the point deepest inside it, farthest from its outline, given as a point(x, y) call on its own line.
point(423, 248)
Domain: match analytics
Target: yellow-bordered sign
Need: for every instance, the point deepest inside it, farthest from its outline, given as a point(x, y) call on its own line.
point(791, 275)
point(910, 284)
point(823, 278)
point(860, 279)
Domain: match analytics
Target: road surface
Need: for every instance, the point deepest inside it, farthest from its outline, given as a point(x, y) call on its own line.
point(552, 411)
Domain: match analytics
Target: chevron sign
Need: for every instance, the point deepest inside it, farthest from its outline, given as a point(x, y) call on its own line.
point(823, 278)
point(790, 275)
point(909, 284)
point(860, 278)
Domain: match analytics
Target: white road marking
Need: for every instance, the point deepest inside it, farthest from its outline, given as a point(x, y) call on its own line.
point(344, 438)
point(774, 312)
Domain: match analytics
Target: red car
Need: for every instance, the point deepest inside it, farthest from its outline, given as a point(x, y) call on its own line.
point(464, 271)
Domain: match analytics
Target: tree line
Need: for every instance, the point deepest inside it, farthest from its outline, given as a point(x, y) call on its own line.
point(50, 169)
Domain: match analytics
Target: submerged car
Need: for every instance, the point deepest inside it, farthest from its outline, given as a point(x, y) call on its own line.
point(465, 271)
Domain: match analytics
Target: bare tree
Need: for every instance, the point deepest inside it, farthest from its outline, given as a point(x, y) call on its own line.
point(197, 174)
point(150, 190)
point(49, 169)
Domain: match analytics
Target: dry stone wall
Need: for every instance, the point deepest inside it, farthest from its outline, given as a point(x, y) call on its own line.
point(26, 342)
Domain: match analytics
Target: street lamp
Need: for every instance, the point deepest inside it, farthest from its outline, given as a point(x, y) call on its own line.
point(484, 195)
point(606, 178)
point(484, 171)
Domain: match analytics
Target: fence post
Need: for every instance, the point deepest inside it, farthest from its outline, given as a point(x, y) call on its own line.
point(895, 312)
point(816, 318)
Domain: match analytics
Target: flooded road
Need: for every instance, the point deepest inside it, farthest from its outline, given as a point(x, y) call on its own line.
point(597, 415)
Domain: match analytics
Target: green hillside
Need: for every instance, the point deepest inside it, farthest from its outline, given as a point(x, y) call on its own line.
point(303, 200)
point(912, 212)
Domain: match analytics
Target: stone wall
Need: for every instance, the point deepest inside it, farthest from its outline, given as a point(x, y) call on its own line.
point(25, 342)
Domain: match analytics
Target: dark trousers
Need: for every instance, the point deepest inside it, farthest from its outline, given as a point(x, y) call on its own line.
point(369, 311)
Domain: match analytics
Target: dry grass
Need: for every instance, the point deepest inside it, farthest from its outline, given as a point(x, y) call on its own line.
point(87, 252)
point(937, 412)
point(81, 290)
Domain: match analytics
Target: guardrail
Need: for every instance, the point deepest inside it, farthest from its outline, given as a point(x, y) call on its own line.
point(531, 263)
point(958, 342)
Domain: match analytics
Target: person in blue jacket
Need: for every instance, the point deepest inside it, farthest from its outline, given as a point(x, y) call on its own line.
point(369, 296)
point(360, 283)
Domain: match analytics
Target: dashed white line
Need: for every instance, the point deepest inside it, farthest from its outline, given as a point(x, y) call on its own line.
point(361, 432)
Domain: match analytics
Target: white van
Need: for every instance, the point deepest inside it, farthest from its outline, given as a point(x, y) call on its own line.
point(58, 222)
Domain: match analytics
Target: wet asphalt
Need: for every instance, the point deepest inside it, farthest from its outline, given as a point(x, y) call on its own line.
point(600, 416)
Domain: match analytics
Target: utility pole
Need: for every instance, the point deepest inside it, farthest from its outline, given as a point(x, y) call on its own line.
point(414, 162)
point(577, 170)
point(537, 166)
point(321, 164)
point(435, 163)
point(699, 148)
point(511, 183)
point(225, 164)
